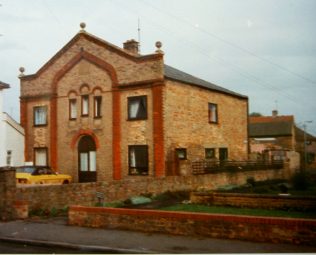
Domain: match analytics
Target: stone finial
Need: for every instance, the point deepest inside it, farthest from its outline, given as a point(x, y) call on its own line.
point(158, 44)
point(21, 69)
point(82, 26)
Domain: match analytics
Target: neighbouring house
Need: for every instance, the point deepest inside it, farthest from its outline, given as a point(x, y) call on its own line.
point(11, 136)
point(277, 137)
point(101, 112)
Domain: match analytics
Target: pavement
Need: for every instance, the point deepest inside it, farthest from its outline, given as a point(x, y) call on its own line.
point(55, 232)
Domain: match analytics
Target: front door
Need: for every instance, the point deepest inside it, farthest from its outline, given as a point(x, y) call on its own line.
point(87, 160)
point(223, 154)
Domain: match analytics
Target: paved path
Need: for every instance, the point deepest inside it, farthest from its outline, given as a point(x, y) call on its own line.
point(57, 233)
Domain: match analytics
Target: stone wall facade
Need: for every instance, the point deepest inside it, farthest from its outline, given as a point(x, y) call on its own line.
point(187, 123)
point(259, 229)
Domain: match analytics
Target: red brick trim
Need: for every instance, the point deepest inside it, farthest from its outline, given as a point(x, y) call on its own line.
point(158, 130)
point(116, 146)
point(116, 118)
point(24, 121)
point(53, 133)
point(138, 84)
point(98, 41)
point(37, 97)
point(83, 132)
point(72, 91)
point(197, 216)
point(96, 88)
point(84, 85)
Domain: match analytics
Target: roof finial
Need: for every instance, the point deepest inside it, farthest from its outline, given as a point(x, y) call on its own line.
point(83, 26)
point(21, 69)
point(158, 45)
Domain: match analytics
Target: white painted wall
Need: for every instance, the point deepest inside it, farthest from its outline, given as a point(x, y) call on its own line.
point(2, 132)
point(11, 138)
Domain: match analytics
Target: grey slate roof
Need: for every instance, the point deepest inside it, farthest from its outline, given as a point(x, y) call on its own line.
point(4, 85)
point(177, 75)
point(270, 129)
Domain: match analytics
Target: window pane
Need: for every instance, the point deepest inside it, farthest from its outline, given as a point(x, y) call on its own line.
point(133, 109)
point(9, 156)
point(85, 105)
point(84, 161)
point(92, 161)
point(97, 106)
point(73, 108)
point(181, 153)
point(209, 153)
point(40, 115)
point(137, 107)
point(138, 159)
point(212, 111)
point(40, 157)
point(132, 157)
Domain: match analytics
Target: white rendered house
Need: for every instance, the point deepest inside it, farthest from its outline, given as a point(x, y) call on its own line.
point(11, 136)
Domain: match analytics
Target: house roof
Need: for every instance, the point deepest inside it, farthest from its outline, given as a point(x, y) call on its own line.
point(170, 72)
point(4, 85)
point(271, 126)
point(177, 75)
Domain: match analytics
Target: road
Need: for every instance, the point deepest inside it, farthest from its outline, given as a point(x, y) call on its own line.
point(16, 248)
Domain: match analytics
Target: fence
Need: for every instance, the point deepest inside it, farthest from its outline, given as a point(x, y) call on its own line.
point(215, 166)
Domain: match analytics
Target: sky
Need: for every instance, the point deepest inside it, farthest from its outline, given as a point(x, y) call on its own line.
point(264, 49)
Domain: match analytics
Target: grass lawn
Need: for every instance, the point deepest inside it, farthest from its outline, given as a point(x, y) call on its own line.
point(239, 211)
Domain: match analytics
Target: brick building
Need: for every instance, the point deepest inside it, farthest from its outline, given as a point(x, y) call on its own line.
point(100, 112)
point(280, 134)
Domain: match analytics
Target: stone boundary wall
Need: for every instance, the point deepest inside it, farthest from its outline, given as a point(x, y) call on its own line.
point(259, 229)
point(254, 200)
point(60, 196)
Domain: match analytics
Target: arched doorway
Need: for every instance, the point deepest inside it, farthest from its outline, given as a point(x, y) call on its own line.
point(87, 160)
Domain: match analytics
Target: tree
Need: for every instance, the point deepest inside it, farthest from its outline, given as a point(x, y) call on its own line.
point(255, 114)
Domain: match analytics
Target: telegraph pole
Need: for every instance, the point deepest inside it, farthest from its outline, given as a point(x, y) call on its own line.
point(305, 152)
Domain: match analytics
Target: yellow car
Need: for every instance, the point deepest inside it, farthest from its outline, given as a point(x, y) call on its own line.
point(40, 175)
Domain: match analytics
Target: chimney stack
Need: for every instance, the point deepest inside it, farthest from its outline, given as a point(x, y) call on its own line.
point(131, 46)
point(275, 113)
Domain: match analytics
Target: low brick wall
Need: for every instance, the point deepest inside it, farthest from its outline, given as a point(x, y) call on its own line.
point(260, 229)
point(7, 193)
point(47, 197)
point(254, 200)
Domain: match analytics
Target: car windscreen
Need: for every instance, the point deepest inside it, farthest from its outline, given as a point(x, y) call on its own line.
point(28, 170)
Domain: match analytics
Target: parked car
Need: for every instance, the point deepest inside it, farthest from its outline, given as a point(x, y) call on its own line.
point(40, 175)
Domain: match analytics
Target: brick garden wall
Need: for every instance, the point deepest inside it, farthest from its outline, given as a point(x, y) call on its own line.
point(254, 201)
point(7, 193)
point(47, 197)
point(297, 231)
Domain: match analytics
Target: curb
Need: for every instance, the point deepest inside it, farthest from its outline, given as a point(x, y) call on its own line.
point(87, 248)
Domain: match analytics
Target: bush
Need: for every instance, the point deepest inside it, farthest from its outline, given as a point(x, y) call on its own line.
point(251, 181)
point(300, 181)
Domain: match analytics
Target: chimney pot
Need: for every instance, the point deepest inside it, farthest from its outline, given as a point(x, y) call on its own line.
point(131, 46)
point(275, 113)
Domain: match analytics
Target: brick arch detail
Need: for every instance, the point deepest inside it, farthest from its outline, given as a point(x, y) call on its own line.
point(81, 133)
point(90, 58)
point(116, 108)
point(84, 85)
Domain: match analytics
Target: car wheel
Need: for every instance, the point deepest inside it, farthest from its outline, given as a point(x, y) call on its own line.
point(65, 182)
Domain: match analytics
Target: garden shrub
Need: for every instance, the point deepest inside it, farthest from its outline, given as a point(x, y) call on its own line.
point(300, 181)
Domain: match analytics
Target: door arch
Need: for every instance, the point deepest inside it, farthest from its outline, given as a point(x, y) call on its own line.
point(87, 160)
